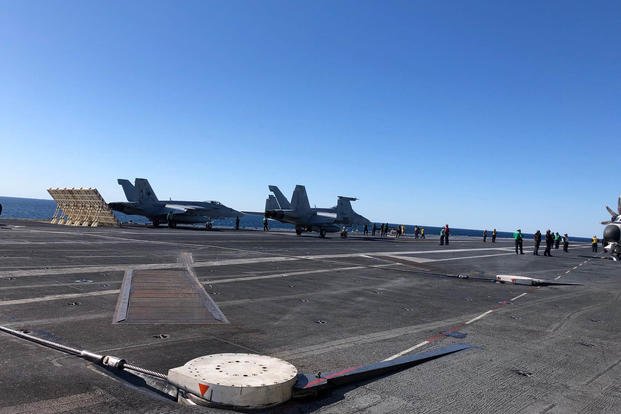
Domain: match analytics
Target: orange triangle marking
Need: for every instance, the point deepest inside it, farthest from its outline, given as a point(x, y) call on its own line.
point(203, 388)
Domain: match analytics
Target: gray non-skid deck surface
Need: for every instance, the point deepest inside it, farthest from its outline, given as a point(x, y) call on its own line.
point(320, 304)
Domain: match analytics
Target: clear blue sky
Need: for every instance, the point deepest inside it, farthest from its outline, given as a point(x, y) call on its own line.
point(481, 114)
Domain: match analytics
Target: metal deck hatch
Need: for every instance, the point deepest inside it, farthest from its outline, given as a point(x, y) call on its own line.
point(165, 296)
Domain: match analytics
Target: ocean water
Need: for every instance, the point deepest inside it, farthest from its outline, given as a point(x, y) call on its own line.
point(36, 209)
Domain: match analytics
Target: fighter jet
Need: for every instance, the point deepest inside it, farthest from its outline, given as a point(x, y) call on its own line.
point(141, 201)
point(612, 232)
point(305, 218)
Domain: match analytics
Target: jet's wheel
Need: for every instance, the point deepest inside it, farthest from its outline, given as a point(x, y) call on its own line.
point(298, 231)
point(322, 233)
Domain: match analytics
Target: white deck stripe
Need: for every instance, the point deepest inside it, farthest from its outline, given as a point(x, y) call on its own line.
point(279, 275)
point(397, 253)
point(104, 257)
point(57, 297)
point(484, 314)
point(472, 257)
point(411, 259)
point(148, 266)
point(211, 282)
point(519, 296)
point(405, 351)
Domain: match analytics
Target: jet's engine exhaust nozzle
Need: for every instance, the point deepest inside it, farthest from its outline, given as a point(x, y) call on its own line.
point(277, 215)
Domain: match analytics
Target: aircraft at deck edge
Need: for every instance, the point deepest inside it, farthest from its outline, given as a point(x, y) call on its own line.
point(612, 232)
point(142, 201)
point(299, 213)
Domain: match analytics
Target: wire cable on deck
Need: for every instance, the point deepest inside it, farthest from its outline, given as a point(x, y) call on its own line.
point(104, 360)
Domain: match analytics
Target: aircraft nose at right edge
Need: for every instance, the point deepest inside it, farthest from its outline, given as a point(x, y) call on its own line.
point(612, 233)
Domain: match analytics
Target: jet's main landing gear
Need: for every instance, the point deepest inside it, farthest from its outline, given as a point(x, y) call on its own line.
point(298, 230)
point(156, 222)
point(172, 224)
point(209, 226)
point(322, 233)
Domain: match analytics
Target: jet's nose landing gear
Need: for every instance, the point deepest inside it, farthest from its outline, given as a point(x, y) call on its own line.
point(156, 222)
point(344, 233)
point(209, 226)
point(322, 233)
point(615, 251)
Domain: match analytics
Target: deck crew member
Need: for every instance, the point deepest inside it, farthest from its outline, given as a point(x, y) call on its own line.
point(485, 236)
point(565, 242)
point(549, 243)
point(494, 236)
point(594, 243)
point(537, 239)
point(519, 241)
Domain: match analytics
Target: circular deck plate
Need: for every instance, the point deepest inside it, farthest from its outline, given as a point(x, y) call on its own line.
point(235, 379)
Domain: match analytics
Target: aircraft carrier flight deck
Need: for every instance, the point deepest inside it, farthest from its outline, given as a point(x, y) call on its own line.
point(159, 297)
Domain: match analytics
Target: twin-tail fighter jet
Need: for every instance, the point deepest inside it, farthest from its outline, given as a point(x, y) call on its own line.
point(141, 201)
point(299, 212)
point(612, 232)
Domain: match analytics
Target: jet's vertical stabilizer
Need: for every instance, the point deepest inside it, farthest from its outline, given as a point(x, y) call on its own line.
point(145, 192)
point(271, 203)
point(282, 200)
point(345, 213)
point(129, 190)
point(299, 200)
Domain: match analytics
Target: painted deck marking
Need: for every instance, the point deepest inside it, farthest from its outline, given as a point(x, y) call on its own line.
point(405, 351)
point(120, 313)
point(454, 328)
point(481, 316)
point(57, 297)
point(572, 269)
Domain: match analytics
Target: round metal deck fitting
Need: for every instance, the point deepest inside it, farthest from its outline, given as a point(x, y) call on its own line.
point(236, 380)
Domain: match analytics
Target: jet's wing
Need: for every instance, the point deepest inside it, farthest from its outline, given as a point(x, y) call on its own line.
point(184, 207)
point(218, 210)
point(321, 219)
point(181, 208)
